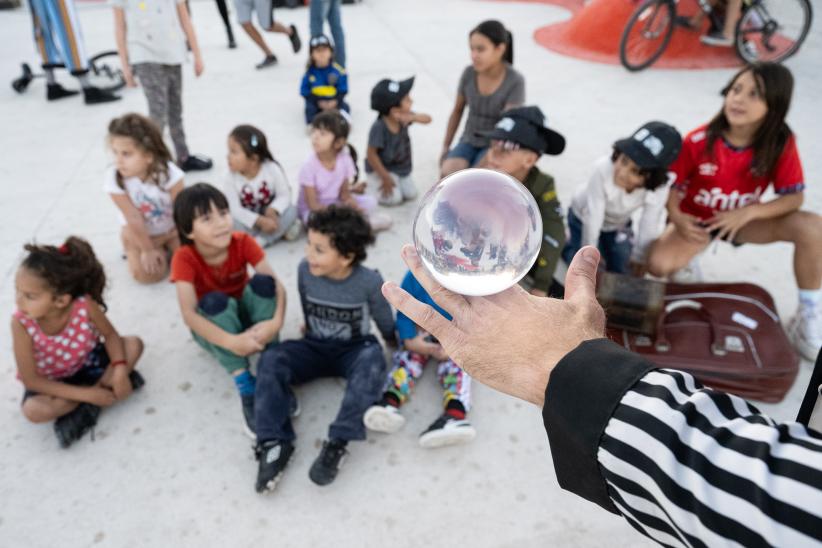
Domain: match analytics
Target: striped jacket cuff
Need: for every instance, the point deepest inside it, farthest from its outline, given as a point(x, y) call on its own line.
point(584, 389)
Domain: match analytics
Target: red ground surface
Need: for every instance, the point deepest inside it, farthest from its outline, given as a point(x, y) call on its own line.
point(594, 30)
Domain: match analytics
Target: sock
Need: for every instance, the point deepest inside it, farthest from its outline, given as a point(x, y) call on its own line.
point(391, 399)
point(810, 297)
point(246, 383)
point(50, 79)
point(84, 83)
point(455, 410)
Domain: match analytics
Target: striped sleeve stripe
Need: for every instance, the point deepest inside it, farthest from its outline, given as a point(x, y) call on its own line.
point(739, 498)
point(702, 408)
point(737, 438)
point(649, 518)
point(631, 476)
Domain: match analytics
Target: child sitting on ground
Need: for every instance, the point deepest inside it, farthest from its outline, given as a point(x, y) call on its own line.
point(327, 175)
point(517, 142)
point(230, 315)
point(143, 184)
point(69, 357)
point(325, 82)
point(634, 176)
point(258, 192)
point(418, 348)
point(388, 162)
point(339, 298)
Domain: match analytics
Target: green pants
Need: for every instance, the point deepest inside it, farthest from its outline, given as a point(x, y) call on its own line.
point(257, 303)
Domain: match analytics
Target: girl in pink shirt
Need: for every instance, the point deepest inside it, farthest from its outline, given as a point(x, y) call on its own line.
point(69, 357)
point(328, 174)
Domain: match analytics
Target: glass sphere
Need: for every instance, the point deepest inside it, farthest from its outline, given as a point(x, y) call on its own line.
point(478, 232)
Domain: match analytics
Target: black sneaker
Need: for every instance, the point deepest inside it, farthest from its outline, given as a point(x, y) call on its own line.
point(137, 380)
point(93, 96)
point(56, 91)
point(447, 430)
point(249, 426)
point(196, 163)
point(296, 43)
point(267, 62)
point(329, 462)
point(273, 457)
point(72, 426)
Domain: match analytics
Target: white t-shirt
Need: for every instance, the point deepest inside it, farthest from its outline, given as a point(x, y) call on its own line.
point(602, 206)
point(153, 201)
point(249, 198)
point(153, 31)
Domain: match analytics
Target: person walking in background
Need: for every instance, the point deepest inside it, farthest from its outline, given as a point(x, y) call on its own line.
point(322, 10)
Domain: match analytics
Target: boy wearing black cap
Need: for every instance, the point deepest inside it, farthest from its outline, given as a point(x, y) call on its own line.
point(388, 160)
point(519, 139)
point(633, 176)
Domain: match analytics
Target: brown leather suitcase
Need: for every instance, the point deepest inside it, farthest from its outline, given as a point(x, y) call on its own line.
point(727, 335)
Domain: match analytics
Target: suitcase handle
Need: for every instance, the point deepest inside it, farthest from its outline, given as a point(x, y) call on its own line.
point(661, 343)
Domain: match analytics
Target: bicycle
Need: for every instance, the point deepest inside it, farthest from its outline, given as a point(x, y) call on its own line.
point(767, 30)
point(103, 75)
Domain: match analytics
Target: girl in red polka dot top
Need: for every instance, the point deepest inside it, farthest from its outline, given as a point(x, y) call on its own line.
point(69, 357)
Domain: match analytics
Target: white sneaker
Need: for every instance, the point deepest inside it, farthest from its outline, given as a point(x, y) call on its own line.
point(805, 331)
point(717, 40)
point(383, 418)
point(447, 431)
point(294, 231)
point(380, 221)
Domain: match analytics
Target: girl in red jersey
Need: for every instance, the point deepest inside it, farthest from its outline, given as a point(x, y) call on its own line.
point(721, 173)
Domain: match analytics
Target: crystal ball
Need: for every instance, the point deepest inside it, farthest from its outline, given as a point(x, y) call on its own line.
point(478, 232)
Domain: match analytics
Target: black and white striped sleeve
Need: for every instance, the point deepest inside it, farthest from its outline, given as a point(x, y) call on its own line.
point(685, 465)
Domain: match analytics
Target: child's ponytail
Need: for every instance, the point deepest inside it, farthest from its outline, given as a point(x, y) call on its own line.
point(497, 34)
point(354, 157)
point(70, 269)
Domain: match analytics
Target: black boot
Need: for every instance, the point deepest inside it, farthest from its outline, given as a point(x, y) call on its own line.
point(94, 95)
point(56, 91)
point(72, 426)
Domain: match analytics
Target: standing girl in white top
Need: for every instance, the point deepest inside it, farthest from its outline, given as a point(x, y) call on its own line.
point(634, 177)
point(143, 184)
point(257, 190)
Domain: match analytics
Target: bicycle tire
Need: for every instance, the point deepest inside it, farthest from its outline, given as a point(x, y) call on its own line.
point(642, 16)
point(751, 55)
point(115, 75)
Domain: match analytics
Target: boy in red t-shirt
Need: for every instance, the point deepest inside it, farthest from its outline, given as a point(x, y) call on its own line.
point(229, 315)
point(721, 174)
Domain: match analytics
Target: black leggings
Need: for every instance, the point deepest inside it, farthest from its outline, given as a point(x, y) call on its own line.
point(223, 9)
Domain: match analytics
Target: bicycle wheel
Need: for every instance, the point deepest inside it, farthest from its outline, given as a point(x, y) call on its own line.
point(105, 71)
point(772, 30)
point(647, 34)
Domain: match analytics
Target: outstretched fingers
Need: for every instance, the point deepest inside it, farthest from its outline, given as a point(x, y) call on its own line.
point(423, 315)
point(453, 303)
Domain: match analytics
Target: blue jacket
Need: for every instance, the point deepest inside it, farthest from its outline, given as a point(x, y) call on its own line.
point(330, 82)
point(407, 329)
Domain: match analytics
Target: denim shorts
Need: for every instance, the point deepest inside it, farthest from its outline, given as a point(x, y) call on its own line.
point(88, 375)
point(467, 152)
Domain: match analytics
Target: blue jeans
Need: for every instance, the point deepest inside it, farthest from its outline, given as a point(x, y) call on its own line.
point(467, 152)
point(361, 362)
point(615, 246)
point(312, 109)
point(329, 9)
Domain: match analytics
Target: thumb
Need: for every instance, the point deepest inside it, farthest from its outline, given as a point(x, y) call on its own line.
point(580, 282)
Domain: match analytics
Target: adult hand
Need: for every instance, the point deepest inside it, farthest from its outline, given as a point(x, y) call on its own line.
point(538, 292)
point(512, 340)
point(99, 396)
point(245, 343)
point(152, 261)
point(690, 228)
point(730, 222)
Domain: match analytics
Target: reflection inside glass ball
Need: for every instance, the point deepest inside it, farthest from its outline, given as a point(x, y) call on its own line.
point(478, 232)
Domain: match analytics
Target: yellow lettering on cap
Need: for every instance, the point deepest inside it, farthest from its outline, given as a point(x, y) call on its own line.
point(542, 262)
point(550, 195)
